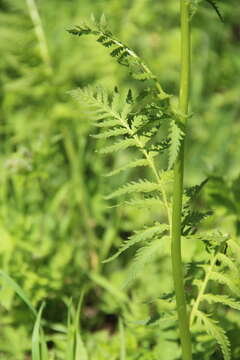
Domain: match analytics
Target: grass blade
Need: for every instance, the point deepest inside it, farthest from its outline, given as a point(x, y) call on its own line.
point(38, 343)
point(122, 341)
point(18, 290)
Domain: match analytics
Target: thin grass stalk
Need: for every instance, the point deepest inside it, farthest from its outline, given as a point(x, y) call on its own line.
point(183, 318)
point(39, 31)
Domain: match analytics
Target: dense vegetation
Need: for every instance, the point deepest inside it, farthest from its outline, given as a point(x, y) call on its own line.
point(57, 226)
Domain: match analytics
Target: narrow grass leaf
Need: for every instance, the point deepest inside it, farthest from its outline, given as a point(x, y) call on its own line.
point(37, 341)
point(18, 290)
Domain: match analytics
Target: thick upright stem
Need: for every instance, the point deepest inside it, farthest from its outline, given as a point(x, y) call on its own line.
point(183, 318)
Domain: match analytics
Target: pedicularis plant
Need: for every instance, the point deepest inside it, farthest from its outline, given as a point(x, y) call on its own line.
point(135, 121)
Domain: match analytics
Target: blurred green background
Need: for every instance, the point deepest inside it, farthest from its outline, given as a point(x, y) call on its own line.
point(55, 226)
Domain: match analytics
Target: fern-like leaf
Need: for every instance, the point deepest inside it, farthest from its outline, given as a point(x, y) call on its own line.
point(235, 248)
point(157, 319)
point(214, 5)
point(193, 191)
point(226, 261)
point(147, 202)
point(122, 53)
point(140, 236)
point(120, 145)
point(191, 220)
point(141, 186)
point(107, 123)
point(176, 137)
point(224, 279)
point(214, 240)
point(214, 330)
point(144, 255)
point(131, 165)
point(111, 133)
point(221, 299)
point(102, 108)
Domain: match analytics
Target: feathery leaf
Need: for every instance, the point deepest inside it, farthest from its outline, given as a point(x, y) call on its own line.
point(222, 299)
point(143, 255)
point(225, 280)
point(111, 133)
point(131, 165)
point(213, 329)
point(120, 145)
point(140, 236)
point(147, 202)
point(141, 186)
point(176, 136)
point(227, 261)
point(214, 4)
point(122, 53)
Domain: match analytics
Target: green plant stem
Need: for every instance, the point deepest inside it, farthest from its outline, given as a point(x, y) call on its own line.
point(183, 318)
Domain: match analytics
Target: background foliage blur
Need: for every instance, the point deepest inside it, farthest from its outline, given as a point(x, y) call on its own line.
point(55, 226)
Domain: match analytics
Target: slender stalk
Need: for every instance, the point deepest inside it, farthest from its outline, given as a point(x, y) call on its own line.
point(183, 318)
point(38, 27)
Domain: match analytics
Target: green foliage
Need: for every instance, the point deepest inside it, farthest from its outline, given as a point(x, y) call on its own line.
point(222, 299)
point(221, 270)
point(216, 332)
point(213, 3)
point(141, 236)
point(75, 348)
point(131, 121)
point(122, 53)
point(129, 124)
point(216, 8)
point(39, 346)
point(8, 282)
point(144, 255)
point(55, 226)
point(176, 137)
